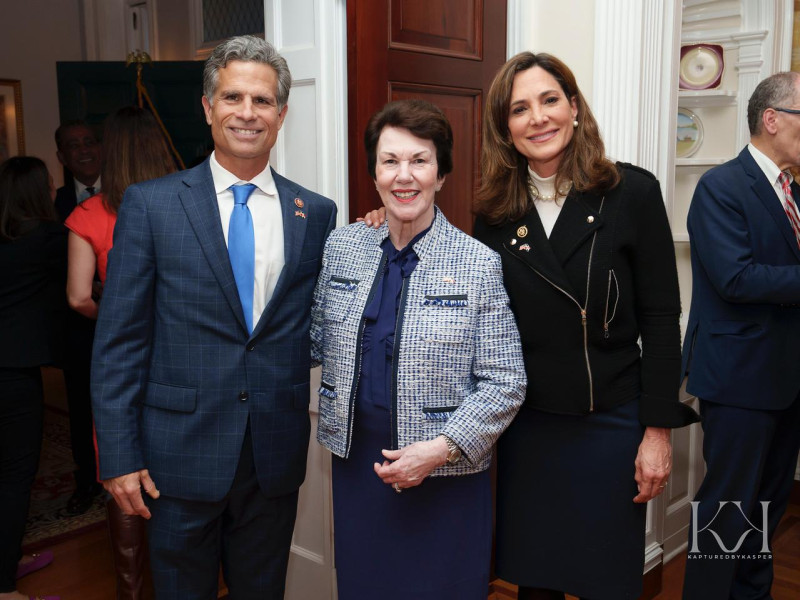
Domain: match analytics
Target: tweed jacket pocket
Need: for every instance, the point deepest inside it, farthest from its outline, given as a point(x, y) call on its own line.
point(327, 408)
point(447, 317)
point(340, 297)
point(437, 413)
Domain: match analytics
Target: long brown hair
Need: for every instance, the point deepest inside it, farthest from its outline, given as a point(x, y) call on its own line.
point(134, 150)
point(25, 198)
point(504, 194)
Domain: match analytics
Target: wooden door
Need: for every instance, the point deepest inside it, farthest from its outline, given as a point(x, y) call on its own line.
point(443, 51)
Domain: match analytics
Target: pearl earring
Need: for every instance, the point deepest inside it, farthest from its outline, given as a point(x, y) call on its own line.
point(575, 123)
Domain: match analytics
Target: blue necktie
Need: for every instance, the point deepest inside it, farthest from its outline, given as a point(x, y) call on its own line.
point(242, 249)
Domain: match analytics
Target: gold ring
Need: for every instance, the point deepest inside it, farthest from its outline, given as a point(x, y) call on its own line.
point(397, 487)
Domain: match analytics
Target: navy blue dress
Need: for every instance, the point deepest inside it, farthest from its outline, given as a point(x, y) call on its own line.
point(431, 542)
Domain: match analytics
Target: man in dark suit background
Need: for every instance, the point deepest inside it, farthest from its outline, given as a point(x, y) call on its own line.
point(742, 346)
point(80, 153)
point(200, 375)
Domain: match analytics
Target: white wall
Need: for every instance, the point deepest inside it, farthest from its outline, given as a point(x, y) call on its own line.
point(565, 29)
point(34, 34)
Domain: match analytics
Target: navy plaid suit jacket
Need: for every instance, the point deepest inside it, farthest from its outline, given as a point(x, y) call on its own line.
point(175, 375)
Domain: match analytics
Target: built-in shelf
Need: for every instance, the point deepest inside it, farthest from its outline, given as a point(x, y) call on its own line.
point(695, 98)
point(700, 162)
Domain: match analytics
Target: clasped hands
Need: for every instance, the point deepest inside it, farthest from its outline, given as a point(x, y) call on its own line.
point(127, 492)
point(409, 466)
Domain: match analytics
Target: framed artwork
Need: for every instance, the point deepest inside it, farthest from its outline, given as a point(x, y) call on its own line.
point(12, 136)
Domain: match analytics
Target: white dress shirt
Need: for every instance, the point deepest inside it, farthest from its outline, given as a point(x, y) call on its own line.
point(80, 190)
point(265, 208)
point(770, 170)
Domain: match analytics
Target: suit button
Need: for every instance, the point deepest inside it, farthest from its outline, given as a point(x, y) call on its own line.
point(251, 347)
point(243, 396)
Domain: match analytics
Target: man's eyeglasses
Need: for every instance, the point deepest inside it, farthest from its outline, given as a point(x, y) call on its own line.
point(791, 111)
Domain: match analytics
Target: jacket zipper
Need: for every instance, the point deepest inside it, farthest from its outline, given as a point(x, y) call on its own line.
point(578, 304)
point(606, 319)
point(395, 354)
point(357, 365)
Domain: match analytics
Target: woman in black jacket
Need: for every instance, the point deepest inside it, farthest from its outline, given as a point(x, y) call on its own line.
point(33, 263)
point(589, 266)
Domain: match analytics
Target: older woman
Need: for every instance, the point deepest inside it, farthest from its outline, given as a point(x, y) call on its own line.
point(421, 372)
point(589, 267)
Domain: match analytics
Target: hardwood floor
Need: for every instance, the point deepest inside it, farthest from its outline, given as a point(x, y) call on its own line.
point(82, 569)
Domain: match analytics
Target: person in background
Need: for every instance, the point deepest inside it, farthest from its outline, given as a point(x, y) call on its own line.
point(80, 153)
point(421, 372)
point(200, 378)
point(589, 266)
point(134, 151)
point(741, 349)
point(33, 255)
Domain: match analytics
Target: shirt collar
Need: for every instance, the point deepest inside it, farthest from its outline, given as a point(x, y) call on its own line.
point(223, 179)
point(79, 187)
point(764, 162)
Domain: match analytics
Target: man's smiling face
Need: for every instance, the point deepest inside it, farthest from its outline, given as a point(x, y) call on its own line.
point(244, 117)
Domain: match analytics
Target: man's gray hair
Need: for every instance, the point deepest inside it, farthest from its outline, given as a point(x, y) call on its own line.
point(777, 90)
point(247, 48)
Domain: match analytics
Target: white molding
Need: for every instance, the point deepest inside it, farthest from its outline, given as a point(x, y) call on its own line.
point(752, 67)
point(90, 30)
point(783, 36)
point(515, 33)
point(617, 76)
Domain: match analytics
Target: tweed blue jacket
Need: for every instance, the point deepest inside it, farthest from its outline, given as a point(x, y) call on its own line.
point(459, 369)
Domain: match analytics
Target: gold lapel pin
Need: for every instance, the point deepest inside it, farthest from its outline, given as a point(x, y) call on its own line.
point(298, 203)
point(522, 231)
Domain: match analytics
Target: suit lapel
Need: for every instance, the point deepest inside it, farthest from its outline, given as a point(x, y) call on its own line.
point(295, 219)
point(199, 200)
point(766, 194)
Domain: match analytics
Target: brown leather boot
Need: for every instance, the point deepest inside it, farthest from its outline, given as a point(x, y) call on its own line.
point(129, 549)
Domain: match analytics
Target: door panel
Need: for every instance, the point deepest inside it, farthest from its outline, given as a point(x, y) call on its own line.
point(462, 107)
point(444, 51)
point(437, 27)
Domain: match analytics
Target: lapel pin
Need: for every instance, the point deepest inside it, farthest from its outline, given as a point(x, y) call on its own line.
point(525, 247)
point(299, 213)
point(522, 231)
point(590, 219)
point(513, 241)
point(448, 280)
point(298, 203)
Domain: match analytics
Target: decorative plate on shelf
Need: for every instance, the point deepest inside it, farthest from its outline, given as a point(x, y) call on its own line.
point(690, 133)
point(701, 66)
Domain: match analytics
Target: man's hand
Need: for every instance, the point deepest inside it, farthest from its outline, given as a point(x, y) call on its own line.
point(127, 492)
point(374, 218)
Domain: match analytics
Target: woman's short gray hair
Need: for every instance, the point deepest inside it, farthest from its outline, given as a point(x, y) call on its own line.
point(247, 48)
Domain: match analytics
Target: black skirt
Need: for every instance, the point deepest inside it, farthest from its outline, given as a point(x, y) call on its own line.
point(566, 519)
